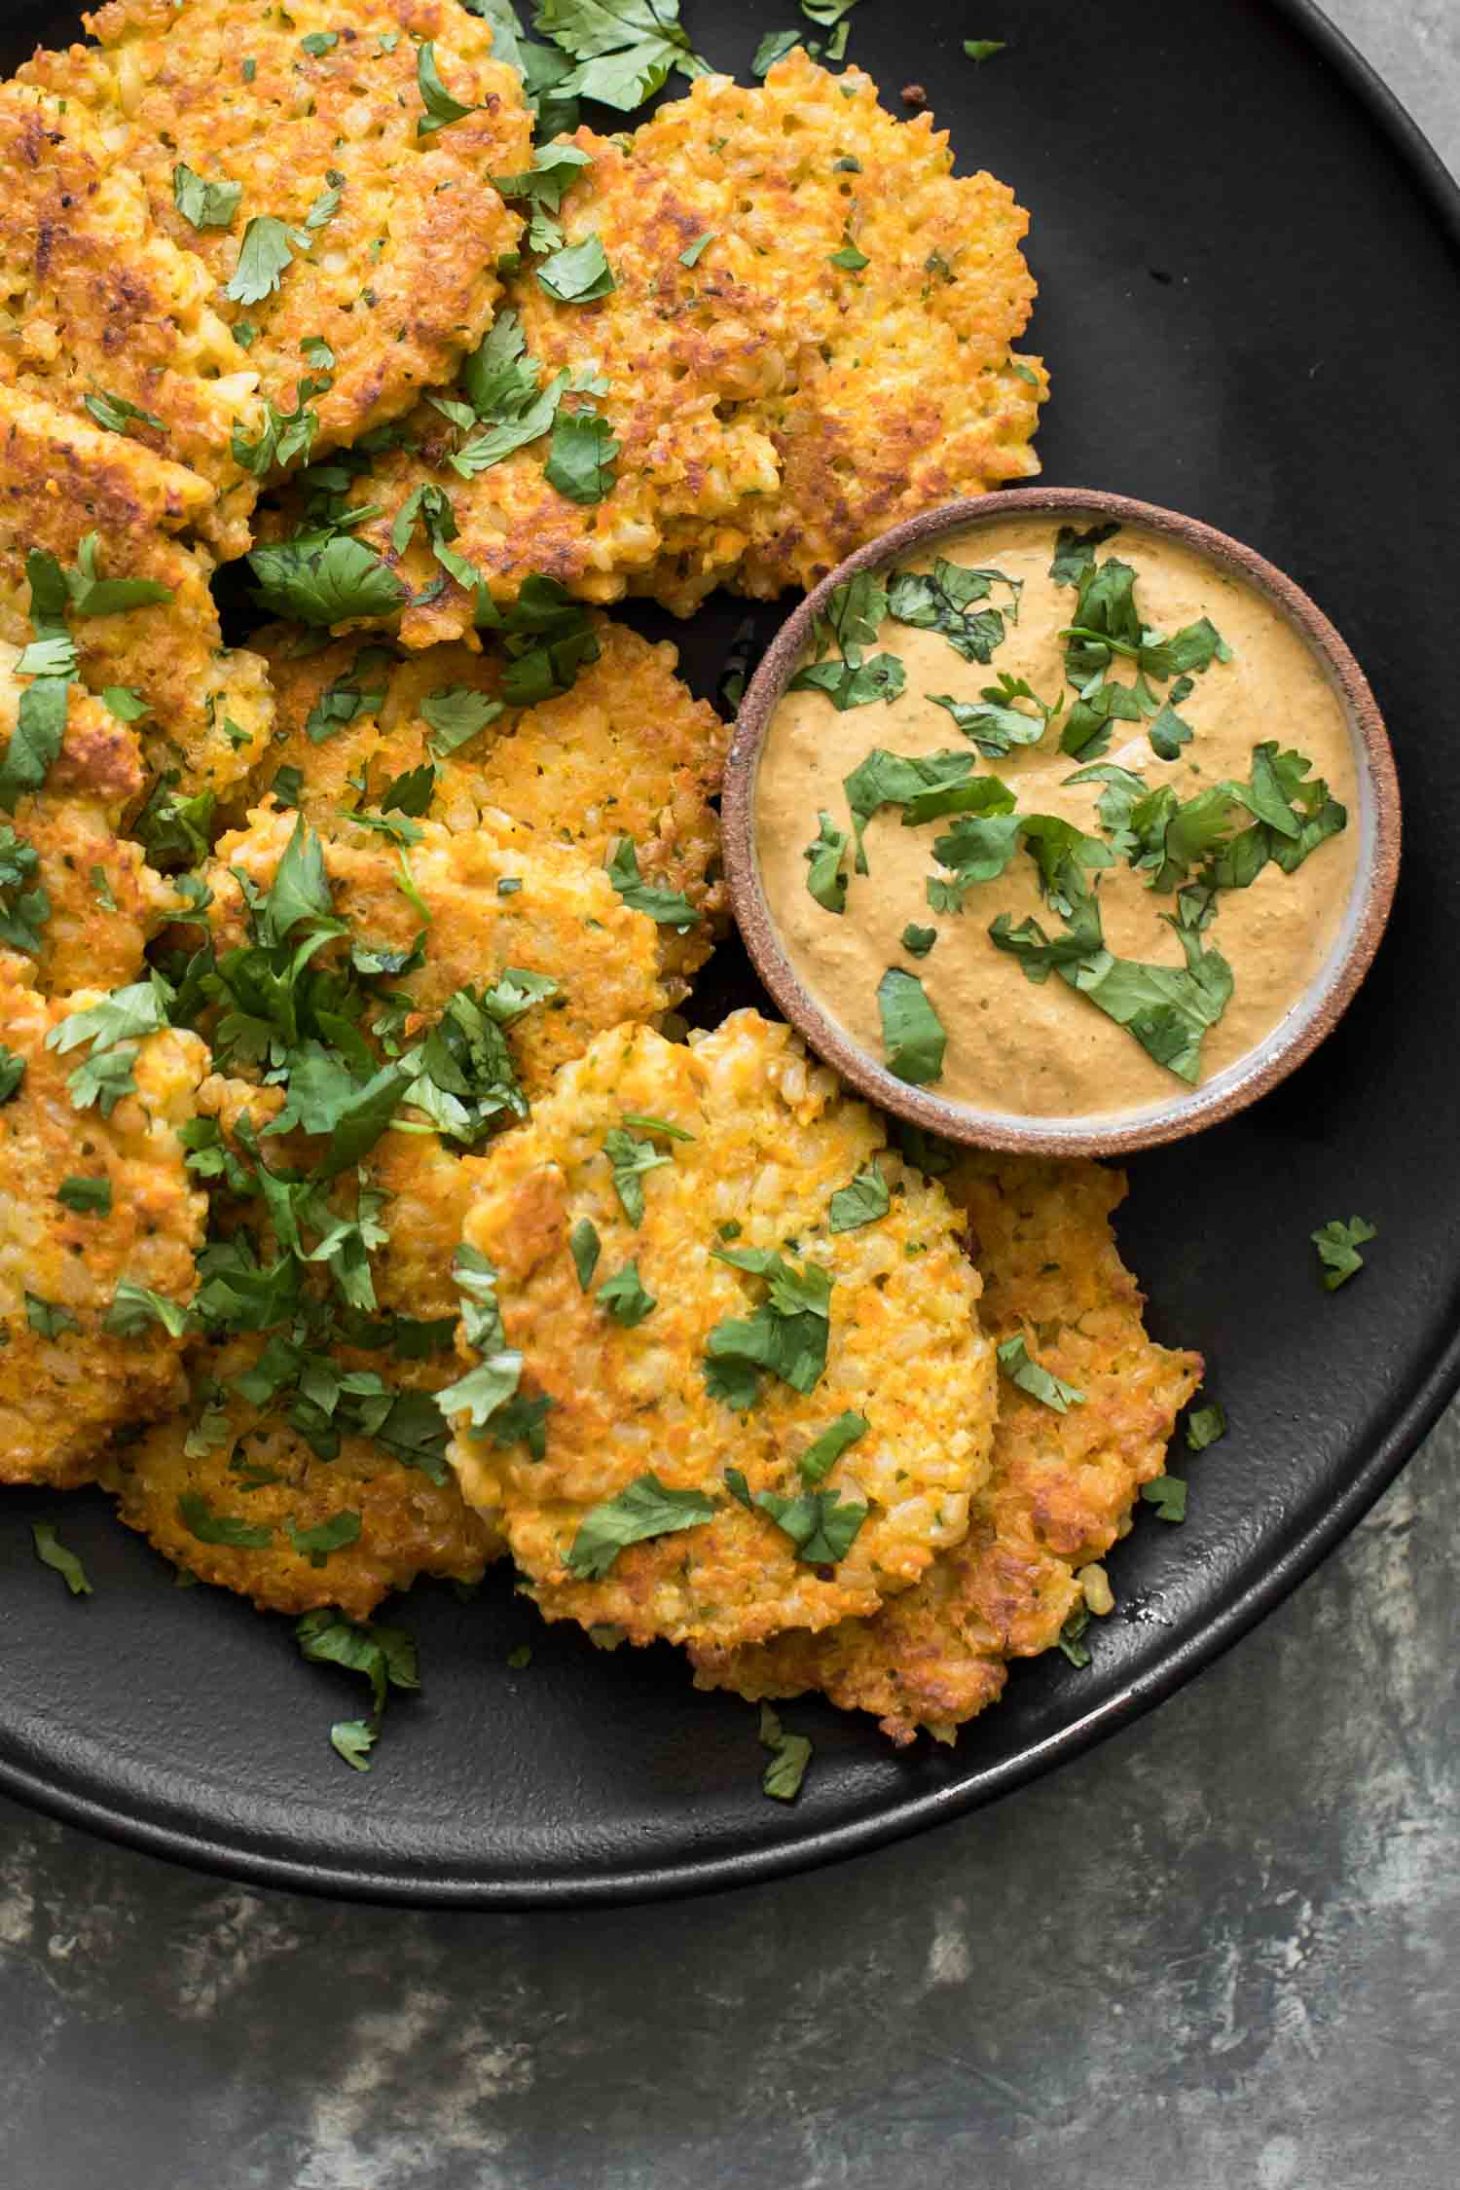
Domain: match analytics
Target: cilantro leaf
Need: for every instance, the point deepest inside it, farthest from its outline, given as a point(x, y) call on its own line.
point(555, 168)
point(913, 1035)
point(84, 1196)
point(773, 47)
point(585, 1246)
point(984, 49)
point(667, 908)
point(115, 414)
point(1071, 1637)
point(694, 252)
point(197, 1516)
point(324, 578)
point(136, 1307)
point(1016, 1364)
point(36, 740)
point(863, 1202)
point(46, 1318)
point(823, 1453)
point(441, 108)
point(825, 877)
point(790, 1755)
point(386, 1656)
point(625, 1298)
point(455, 714)
point(51, 1552)
point(24, 910)
point(902, 779)
point(629, 1159)
point(1075, 550)
point(1338, 1247)
point(1167, 1493)
point(647, 1509)
point(581, 458)
point(204, 204)
point(916, 941)
point(266, 251)
point(577, 274)
point(335, 1534)
point(12, 1074)
point(787, 1337)
point(1204, 1425)
point(944, 599)
point(993, 722)
point(850, 622)
point(821, 1524)
point(624, 49)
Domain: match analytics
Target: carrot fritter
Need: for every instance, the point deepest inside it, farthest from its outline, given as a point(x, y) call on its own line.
point(798, 332)
point(77, 898)
point(313, 112)
point(480, 903)
point(627, 752)
point(239, 1496)
point(66, 483)
point(1061, 1487)
point(664, 1221)
point(93, 1198)
point(101, 312)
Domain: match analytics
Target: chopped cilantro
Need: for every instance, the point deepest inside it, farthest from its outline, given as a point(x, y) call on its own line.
point(823, 1453)
point(916, 941)
point(821, 1524)
point(197, 1516)
point(582, 455)
point(865, 1201)
point(1167, 1493)
point(585, 1246)
point(1041, 1384)
point(786, 1337)
point(789, 1753)
point(324, 578)
point(555, 168)
point(1204, 1425)
point(577, 274)
point(648, 1508)
point(773, 47)
point(913, 1035)
point(984, 49)
point(623, 50)
point(849, 258)
point(629, 1159)
point(694, 252)
point(51, 1552)
point(625, 1298)
point(455, 714)
point(945, 600)
point(316, 1544)
point(115, 414)
point(1338, 1247)
point(1071, 1637)
point(386, 1656)
point(825, 877)
point(204, 204)
point(86, 1197)
point(668, 908)
point(441, 108)
point(850, 622)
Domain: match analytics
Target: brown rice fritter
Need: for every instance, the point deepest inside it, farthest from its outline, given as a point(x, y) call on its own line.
point(771, 1140)
point(308, 106)
point(100, 311)
point(902, 390)
point(65, 481)
point(559, 915)
point(99, 901)
point(773, 407)
point(626, 752)
point(225, 1461)
point(65, 1383)
point(1061, 1487)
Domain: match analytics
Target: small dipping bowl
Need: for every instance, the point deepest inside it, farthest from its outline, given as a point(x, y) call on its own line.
point(1186, 1110)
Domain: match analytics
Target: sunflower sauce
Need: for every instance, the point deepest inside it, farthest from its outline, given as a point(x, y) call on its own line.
point(1108, 868)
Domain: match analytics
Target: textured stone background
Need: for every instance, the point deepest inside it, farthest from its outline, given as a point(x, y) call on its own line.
point(1223, 1951)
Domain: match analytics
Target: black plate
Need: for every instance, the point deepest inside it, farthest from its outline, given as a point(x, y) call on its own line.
point(1250, 311)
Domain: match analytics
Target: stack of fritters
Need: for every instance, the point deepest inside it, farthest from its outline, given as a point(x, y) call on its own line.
point(449, 1252)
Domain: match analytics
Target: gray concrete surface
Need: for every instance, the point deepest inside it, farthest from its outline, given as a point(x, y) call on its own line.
point(1224, 1951)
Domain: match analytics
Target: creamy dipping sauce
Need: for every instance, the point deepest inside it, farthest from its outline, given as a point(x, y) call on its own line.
point(1184, 1006)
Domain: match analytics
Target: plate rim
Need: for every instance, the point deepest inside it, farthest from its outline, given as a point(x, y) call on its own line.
point(198, 1849)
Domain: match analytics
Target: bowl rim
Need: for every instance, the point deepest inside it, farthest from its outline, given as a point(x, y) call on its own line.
point(1281, 1051)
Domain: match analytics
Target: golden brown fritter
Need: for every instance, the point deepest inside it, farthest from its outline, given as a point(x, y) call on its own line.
point(775, 401)
point(65, 481)
point(98, 308)
point(98, 901)
point(901, 389)
point(769, 1139)
point(298, 102)
point(66, 1384)
point(1061, 1487)
point(559, 915)
point(626, 752)
point(344, 1530)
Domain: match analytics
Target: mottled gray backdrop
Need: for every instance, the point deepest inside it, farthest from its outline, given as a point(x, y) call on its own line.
point(1223, 1951)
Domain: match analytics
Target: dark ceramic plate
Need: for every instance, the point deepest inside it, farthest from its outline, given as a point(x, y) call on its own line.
point(1251, 313)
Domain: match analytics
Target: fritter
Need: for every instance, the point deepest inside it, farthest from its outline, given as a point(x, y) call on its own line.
point(389, 238)
point(807, 338)
point(1061, 1487)
point(903, 288)
point(817, 1400)
point(77, 898)
point(627, 752)
point(101, 312)
point(92, 1197)
point(557, 915)
point(671, 353)
point(238, 1496)
point(66, 483)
